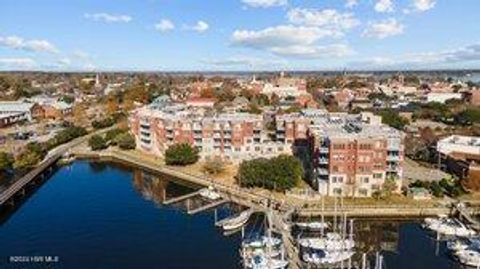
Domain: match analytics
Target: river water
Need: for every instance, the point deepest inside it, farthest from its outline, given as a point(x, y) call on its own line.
point(98, 215)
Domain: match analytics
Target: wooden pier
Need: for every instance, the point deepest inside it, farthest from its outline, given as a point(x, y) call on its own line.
point(207, 207)
point(181, 198)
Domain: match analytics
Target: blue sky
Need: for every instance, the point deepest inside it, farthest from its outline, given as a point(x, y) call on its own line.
point(180, 35)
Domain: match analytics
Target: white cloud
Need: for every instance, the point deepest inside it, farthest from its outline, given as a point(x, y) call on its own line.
point(265, 3)
point(200, 27)
point(164, 25)
point(108, 18)
point(384, 6)
point(327, 18)
point(291, 41)
point(447, 58)
point(313, 51)
point(383, 29)
point(17, 63)
point(423, 5)
point(351, 3)
point(37, 45)
point(282, 35)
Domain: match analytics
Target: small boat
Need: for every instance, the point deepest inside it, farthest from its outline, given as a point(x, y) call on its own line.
point(331, 242)
point(468, 257)
point(237, 221)
point(313, 226)
point(327, 258)
point(264, 241)
point(209, 193)
point(449, 227)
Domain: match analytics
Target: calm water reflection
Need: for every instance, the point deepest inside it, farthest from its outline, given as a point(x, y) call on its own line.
point(98, 215)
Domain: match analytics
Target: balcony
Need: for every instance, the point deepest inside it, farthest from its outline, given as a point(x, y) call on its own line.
point(322, 171)
point(323, 150)
point(393, 158)
point(322, 160)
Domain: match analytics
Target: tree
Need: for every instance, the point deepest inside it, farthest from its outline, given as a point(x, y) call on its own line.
point(103, 123)
point(214, 166)
point(97, 142)
point(111, 135)
point(392, 119)
point(389, 186)
point(6, 161)
point(181, 154)
point(280, 173)
point(125, 141)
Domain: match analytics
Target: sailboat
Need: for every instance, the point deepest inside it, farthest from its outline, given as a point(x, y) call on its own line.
point(327, 258)
point(265, 253)
point(330, 242)
point(312, 226)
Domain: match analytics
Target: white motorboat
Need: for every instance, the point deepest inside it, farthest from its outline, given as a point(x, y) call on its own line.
point(314, 226)
point(449, 227)
point(209, 193)
point(330, 242)
point(237, 221)
point(264, 241)
point(468, 257)
point(327, 258)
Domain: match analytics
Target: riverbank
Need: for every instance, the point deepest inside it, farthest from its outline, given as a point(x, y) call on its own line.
point(397, 207)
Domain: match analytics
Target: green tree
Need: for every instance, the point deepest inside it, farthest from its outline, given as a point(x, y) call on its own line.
point(6, 161)
point(125, 141)
point(97, 142)
point(389, 186)
point(280, 173)
point(181, 154)
point(392, 119)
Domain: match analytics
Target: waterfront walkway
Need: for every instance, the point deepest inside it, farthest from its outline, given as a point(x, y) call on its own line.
point(257, 201)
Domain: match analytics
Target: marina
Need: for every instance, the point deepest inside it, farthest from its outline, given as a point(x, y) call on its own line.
point(118, 188)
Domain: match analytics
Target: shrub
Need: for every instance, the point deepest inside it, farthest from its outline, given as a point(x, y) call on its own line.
point(281, 173)
point(104, 123)
point(111, 135)
point(97, 142)
point(214, 166)
point(6, 161)
point(66, 135)
point(181, 154)
point(125, 141)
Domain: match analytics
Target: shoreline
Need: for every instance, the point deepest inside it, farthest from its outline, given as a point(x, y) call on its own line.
point(248, 198)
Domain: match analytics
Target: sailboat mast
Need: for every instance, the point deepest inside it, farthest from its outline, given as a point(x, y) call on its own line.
point(323, 218)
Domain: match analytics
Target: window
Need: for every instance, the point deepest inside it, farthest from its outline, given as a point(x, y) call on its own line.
point(365, 180)
point(363, 192)
point(377, 175)
point(337, 191)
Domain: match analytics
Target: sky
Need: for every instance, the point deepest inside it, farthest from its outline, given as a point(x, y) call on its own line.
point(238, 35)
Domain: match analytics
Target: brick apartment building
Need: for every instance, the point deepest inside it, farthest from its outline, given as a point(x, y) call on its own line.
point(349, 155)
